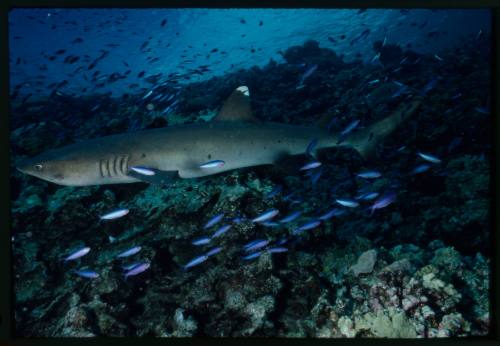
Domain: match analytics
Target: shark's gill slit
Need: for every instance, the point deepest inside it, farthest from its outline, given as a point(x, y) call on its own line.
point(125, 163)
point(108, 168)
point(100, 168)
point(122, 170)
point(115, 161)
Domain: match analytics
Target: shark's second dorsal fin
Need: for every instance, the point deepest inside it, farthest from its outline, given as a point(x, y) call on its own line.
point(237, 107)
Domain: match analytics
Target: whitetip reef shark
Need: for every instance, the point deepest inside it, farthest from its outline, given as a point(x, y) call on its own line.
point(234, 136)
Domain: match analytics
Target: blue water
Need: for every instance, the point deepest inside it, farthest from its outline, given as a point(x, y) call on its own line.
point(192, 34)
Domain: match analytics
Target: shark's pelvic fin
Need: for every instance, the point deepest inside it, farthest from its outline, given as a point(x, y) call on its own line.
point(365, 141)
point(237, 107)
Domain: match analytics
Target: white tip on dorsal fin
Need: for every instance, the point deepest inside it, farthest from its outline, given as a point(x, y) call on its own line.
point(237, 107)
point(244, 90)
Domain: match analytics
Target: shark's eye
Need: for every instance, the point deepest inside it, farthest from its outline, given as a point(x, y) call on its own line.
point(38, 167)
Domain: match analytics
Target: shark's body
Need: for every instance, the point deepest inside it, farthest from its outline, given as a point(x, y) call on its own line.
point(234, 137)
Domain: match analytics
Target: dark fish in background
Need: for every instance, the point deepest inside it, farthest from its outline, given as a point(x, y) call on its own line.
point(363, 35)
point(163, 22)
point(331, 39)
point(52, 58)
point(60, 51)
point(77, 40)
point(18, 61)
point(53, 27)
point(71, 59)
point(242, 21)
point(261, 23)
point(361, 10)
point(141, 74)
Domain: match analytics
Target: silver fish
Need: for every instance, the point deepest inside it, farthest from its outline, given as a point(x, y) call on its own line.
point(115, 214)
point(212, 164)
point(143, 170)
point(310, 165)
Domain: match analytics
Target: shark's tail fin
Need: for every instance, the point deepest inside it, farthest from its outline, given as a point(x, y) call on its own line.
point(365, 140)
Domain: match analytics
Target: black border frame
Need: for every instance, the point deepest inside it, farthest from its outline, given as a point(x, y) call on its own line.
point(6, 293)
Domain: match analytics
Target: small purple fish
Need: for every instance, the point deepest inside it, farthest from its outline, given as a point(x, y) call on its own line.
point(115, 214)
point(253, 242)
point(221, 231)
point(259, 244)
point(277, 249)
point(196, 261)
point(201, 241)
point(428, 157)
point(252, 255)
point(455, 142)
point(142, 267)
point(89, 274)
point(282, 241)
point(482, 110)
point(213, 221)
point(328, 215)
point(347, 202)
point(268, 215)
point(212, 164)
point(421, 168)
point(277, 189)
point(130, 252)
point(307, 74)
point(310, 165)
point(350, 127)
point(214, 251)
point(315, 177)
point(369, 174)
point(383, 201)
point(130, 266)
point(77, 254)
point(290, 217)
point(270, 224)
point(307, 226)
point(311, 146)
point(368, 196)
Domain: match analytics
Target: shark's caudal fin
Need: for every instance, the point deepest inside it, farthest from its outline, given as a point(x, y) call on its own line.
point(365, 141)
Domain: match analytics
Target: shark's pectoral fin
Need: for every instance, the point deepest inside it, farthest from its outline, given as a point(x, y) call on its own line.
point(159, 177)
point(237, 107)
point(290, 164)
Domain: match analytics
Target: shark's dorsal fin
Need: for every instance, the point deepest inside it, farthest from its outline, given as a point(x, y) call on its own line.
point(237, 107)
